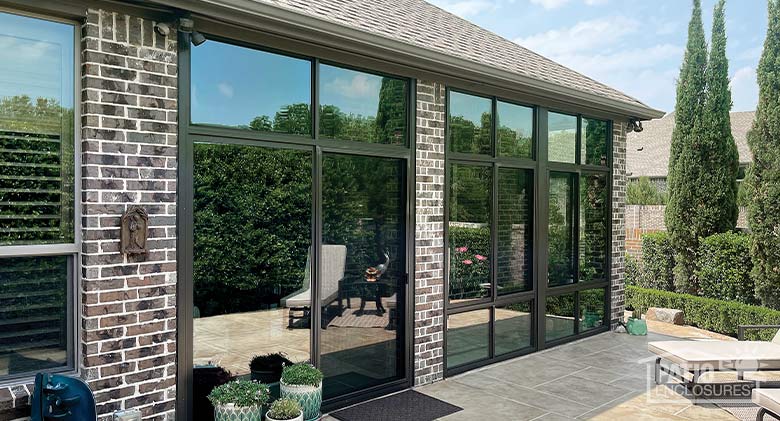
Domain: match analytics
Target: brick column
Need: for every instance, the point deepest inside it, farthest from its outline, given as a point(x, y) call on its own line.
point(128, 313)
point(618, 284)
point(429, 235)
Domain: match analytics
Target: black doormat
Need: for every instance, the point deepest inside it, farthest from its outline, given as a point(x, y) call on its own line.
point(407, 405)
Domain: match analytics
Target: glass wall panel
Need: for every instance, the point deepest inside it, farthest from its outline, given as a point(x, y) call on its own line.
point(513, 327)
point(559, 317)
point(561, 230)
point(515, 130)
point(469, 232)
point(362, 107)
point(363, 272)
point(562, 137)
point(594, 144)
point(34, 313)
point(252, 271)
point(468, 337)
point(36, 131)
point(515, 234)
point(470, 127)
point(250, 89)
point(591, 309)
point(594, 223)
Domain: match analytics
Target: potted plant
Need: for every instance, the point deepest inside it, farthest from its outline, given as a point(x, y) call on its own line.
point(241, 400)
point(302, 383)
point(268, 368)
point(284, 409)
point(636, 325)
point(204, 379)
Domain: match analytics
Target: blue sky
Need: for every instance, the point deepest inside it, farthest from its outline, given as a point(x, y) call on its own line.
point(635, 46)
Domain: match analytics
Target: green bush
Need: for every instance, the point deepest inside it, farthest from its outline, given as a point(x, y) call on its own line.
point(657, 262)
point(469, 260)
point(724, 268)
point(644, 192)
point(240, 393)
point(707, 313)
point(284, 409)
point(302, 374)
point(633, 271)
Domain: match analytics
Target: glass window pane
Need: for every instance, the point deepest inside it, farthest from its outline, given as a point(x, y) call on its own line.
point(470, 127)
point(594, 223)
point(36, 131)
point(513, 327)
point(561, 137)
point(469, 232)
point(250, 89)
point(515, 130)
point(515, 236)
point(559, 317)
point(594, 144)
point(591, 309)
point(468, 337)
point(363, 268)
point(252, 261)
point(33, 313)
point(362, 107)
point(561, 230)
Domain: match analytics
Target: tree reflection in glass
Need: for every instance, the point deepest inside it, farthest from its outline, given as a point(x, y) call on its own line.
point(562, 138)
point(515, 130)
point(560, 234)
point(593, 227)
point(469, 127)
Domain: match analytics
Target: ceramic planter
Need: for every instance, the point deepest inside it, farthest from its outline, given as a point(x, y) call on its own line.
point(230, 412)
point(636, 327)
point(298, 418)
point(309, 397)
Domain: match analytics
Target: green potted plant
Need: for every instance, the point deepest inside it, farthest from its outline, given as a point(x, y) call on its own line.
point(284, 410)
point(636, 325)
point(302, 383)
point(241, 400)
point(268, 368)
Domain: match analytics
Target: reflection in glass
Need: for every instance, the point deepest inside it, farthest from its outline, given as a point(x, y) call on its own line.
point(513, 327)
point(561, 230)
point(469, 127)
point(591, 309)
point(515, 130)
point(363, 269)
point(594, 223)
point(33, 313)
point(252, 257)
point(469, 232)
point(515, 237)
point(250, 89)
point(561, 138)
point(468, 337)
point(36, 131)
point(559, 317)
point(594, 144)
point(362, 107)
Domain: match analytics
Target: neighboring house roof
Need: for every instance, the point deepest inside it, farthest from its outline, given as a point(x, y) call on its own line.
point(426, 27)
point(647, 152)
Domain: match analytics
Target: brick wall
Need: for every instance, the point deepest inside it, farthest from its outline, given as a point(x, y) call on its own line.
point(618, 222)
point(429, 235)
point(128, 337)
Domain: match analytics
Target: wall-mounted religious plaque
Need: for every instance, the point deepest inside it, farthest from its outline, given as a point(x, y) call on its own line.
point(134, 230)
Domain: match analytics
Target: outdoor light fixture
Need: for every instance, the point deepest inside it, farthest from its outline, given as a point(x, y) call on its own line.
point(187, 26)
point(162, 28)
point(634, 125)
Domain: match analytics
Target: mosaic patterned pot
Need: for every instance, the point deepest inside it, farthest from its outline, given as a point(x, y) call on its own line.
point(231, 412)
point(309, 397)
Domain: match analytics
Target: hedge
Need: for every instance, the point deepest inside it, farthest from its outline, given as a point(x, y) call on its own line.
point(657, 261)
point(724, 268)
point(707, 313)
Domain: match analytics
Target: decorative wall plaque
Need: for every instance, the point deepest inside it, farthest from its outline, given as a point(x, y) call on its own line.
point(134, 230)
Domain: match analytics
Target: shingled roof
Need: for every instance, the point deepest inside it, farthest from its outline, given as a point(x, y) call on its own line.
point(647, 153)
point(421, 24)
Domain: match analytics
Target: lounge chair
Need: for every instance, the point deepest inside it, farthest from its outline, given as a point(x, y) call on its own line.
point(695, 358)
point(768, 401)
point(334, 258)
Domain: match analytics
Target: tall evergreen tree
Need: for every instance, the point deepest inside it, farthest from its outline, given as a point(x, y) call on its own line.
point(684, 166)
point(764, 174)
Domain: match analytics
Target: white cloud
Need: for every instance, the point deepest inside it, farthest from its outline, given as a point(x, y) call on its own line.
point(226, 89)
point(359, 86)
point(596, 2)
point(550, 4)
point(583, 36)
point(744, 89)
point(466, 8)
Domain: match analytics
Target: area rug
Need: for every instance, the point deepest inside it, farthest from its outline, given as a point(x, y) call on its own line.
point(369, 318)
point(407, 405)
point(743, 411)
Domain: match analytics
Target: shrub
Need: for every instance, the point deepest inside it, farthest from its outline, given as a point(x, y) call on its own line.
point(724, 268)
point(707, 313)
point(270, 362)
point(644, 192)
point(657, 262)
point(302, 374)
point(633, 271)
point(469, 260)
point(284, 409)
point(240, 393)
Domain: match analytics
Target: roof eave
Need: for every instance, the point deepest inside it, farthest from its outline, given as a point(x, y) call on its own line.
point(279, 20)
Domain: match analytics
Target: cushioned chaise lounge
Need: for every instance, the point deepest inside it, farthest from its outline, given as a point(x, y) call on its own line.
point(768, 401)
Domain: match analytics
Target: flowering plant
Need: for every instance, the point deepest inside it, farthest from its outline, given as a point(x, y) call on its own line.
point(469, 262)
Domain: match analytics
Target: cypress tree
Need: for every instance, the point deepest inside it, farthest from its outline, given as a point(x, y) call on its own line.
point(764, 174)
point(684, 167)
